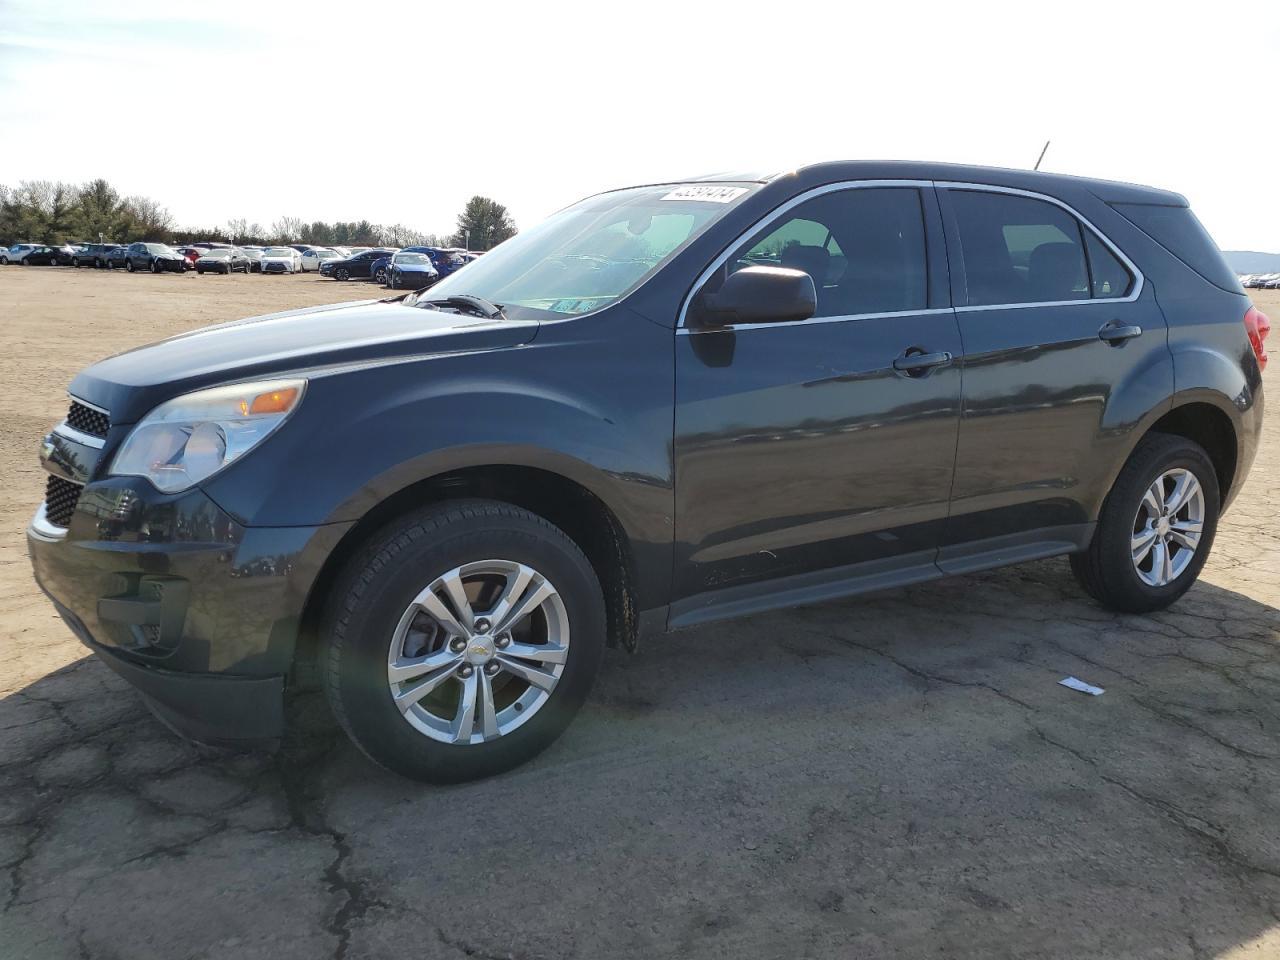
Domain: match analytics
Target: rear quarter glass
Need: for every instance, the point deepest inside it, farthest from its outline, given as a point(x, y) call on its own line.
point(1178, 231)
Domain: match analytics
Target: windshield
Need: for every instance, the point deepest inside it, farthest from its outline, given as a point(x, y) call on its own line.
point(590, 254)
point(418, 258)
point(215, 254)
point(278, 252)
point(326, 254)
point(159, 248)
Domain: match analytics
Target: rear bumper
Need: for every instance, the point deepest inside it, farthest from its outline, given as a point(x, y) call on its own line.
point(196, 611)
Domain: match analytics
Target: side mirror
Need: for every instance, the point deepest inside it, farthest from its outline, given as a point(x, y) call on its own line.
point(759, 295)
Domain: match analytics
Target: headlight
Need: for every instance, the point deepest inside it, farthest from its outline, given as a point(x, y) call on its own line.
point(190, 438)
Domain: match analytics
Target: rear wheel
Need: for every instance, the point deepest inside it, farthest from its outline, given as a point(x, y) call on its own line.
point(1156, 527)
point(462, 640)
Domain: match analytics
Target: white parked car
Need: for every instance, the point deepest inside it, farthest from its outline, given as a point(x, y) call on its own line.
point(18, 252)
point(312, 258)
point(280, 260)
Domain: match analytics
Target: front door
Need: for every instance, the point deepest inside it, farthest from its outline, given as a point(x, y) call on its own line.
point(820, 450)
point(1056, 325)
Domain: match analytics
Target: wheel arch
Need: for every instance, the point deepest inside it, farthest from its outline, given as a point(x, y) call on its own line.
point(1202, 420)
point(565, 502)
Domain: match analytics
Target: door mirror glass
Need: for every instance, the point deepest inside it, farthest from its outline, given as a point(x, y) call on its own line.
point(759, 295)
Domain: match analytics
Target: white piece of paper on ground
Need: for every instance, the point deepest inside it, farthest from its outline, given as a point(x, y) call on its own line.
point(1083, 687)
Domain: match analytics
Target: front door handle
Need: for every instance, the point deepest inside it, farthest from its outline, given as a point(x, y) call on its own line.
point(911, 363)
point(1116, 333)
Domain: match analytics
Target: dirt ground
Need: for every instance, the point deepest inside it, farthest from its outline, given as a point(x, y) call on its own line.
point(891, 776)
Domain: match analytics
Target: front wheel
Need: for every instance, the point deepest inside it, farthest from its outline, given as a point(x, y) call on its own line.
point(342, 273)
point(380, 275)
point(461, 640)
point(128, 265)
point(1156, 527)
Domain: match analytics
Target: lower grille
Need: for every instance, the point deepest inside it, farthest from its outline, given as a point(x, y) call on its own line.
point(60, 499)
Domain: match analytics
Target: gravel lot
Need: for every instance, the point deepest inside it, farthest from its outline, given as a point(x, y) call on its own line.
point(892, 776)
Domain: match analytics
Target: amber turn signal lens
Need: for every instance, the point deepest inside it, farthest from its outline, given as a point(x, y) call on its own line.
point(276, 401)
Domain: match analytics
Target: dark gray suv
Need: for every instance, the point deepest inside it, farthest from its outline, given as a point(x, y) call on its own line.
point(665, 406)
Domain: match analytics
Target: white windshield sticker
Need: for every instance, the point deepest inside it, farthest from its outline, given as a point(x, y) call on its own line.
point(706, 194)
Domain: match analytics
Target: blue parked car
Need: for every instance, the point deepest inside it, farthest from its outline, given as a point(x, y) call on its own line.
point(445, 260)
point(410, 269)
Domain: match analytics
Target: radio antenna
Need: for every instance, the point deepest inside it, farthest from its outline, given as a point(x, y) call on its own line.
point(1041, 157)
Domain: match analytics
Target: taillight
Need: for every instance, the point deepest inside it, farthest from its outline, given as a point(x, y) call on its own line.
point(1257, 326)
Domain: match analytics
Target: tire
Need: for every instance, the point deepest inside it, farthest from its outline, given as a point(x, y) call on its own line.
point(380, 275)
point(75, 262)
point(128, 265)
point(370, 612)
point(1107, 570)
point(342, 273)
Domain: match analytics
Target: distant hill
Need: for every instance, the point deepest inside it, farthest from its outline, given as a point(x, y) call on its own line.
point(1249, 261)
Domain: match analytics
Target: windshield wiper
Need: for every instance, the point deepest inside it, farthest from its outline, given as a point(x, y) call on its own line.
point(477, 305)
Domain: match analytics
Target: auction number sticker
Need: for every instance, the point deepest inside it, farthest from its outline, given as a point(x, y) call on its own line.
point(707, 194)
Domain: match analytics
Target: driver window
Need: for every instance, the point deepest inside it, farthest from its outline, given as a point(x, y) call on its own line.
point(864, 249)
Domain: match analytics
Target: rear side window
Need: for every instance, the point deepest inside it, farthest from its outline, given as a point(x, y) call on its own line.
point(1178, 231)
point(864, 249)
point(1024, 250)
point(1109, 277)
point(1019, 250)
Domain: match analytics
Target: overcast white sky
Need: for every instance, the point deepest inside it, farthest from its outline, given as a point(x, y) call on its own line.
point(224, 109)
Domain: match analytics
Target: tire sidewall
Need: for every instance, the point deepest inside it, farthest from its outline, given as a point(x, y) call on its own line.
point(1122, 508)
point(374, 610)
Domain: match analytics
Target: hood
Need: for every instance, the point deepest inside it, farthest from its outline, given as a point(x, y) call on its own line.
point(130, 384)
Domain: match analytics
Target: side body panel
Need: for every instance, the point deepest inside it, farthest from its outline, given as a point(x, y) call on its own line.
point(1051, 411)
point(800, 449)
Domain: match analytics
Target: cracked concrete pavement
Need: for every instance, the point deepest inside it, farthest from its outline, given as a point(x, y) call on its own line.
point(895, 775)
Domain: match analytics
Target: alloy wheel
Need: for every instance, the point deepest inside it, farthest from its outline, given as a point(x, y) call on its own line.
point(478, 652)
point(1167, 527)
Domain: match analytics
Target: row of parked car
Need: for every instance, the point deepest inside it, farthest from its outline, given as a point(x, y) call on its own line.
point(411, 267)
point(1261, 281)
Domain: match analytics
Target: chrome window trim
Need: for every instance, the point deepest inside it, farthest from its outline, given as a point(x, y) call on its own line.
point(42, 529)
point(77, 436)
point(1139, 281)
point(682, 329)
point(688, 332)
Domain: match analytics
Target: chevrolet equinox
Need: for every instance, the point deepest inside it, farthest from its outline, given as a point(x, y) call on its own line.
point(664, 406)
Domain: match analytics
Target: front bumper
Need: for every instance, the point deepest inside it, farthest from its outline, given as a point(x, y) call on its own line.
point(209, 708)
point(276, 267)
point(196, 611)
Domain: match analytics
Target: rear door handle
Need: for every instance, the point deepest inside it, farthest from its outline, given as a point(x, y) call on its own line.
point(911, 362)
point(1116, 333)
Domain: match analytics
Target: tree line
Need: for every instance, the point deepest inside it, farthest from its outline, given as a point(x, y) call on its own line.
point(44, 211)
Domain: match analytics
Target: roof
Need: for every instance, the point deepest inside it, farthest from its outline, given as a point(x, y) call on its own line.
point(833, 171)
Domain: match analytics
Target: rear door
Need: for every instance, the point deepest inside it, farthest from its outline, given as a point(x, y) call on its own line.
point(1064, 350)
point(817, 448)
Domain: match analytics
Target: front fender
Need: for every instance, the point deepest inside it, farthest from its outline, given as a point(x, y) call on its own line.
point(589, 399)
